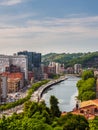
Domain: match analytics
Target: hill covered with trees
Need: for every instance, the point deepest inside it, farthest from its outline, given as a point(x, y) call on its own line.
point(89, 59)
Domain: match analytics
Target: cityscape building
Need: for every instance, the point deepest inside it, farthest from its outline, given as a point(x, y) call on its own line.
point(20, 61)
point(15, 81)
point(3, 88)
point(77, 68)
point(34, 59)
point(55, 68)
point(34, 63)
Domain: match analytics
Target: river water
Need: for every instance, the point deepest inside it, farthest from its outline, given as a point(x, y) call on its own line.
point(65, 92)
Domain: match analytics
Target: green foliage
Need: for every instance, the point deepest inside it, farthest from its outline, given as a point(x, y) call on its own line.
point(88, 95)
point(87, 86)
point(54, 76)
point(37, 116)
point(86, 59)
point(93, 124)
point(87, 74)
point(58, 128)
point(61, 58)
point(54, 107)
point(73, 122)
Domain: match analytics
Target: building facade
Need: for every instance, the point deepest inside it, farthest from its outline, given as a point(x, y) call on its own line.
point(34, 63)
point(55, 68)
point(77, 68)
point(4, 62)
point(16, 60)
point(22, 62)
point(34, 59)
point(15, 81)
point(3, 88)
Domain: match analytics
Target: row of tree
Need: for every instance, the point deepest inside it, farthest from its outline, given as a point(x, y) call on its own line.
point(87, 86)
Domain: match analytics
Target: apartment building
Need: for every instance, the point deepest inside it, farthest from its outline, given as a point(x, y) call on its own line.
point(16, 60)
point(77, 68)
point(15, 81)
point(55, 68)
point(22, 62)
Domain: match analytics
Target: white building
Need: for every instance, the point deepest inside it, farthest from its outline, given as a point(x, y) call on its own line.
point(18, 60)
point(4, 62)
point(77, 68)
point(22, 62)
point(58, 68)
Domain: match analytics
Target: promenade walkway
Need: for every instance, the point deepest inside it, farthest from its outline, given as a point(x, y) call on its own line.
point(36, 96)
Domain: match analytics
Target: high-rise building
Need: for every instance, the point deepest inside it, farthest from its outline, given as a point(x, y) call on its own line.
point(34, 63)
point(34, 59)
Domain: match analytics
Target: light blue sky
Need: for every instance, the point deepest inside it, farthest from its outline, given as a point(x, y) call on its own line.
point(61, 26)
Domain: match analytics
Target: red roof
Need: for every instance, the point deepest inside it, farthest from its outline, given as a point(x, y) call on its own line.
point(13, 75)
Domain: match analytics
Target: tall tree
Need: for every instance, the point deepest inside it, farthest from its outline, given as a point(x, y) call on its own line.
point(54, 107)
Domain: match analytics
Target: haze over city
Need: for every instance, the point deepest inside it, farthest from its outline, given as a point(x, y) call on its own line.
point(48, 26)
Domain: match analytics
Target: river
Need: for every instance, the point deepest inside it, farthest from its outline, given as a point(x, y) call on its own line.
point(65, 92)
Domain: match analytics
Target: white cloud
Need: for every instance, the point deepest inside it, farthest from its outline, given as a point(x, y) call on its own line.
point(10, 2)
point(73, 26)
point(64, 21)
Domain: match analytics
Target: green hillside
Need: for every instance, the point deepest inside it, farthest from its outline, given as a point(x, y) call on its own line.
point(89, 59)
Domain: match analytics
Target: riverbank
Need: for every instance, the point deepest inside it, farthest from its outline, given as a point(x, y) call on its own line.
point(37, 95)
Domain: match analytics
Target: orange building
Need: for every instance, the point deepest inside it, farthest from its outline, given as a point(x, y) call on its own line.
point(89, 109)
point(13, 84)
point(15, 81)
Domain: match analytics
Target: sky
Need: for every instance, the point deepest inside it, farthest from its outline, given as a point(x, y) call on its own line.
point(60, 26)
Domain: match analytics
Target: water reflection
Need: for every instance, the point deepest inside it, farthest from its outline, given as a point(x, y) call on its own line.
point(65, 92)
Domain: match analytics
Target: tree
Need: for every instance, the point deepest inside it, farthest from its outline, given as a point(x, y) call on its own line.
point(88, 95)
point(93, 124)
point(87, 74)
point(75, 122)
point(54, 107)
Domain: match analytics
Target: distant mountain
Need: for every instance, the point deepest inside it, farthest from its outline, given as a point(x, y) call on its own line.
point(89, 59)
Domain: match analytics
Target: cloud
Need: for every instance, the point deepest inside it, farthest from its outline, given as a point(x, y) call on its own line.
point(10, 2)
point(54, 26)
point(85, 26)
point(65, 21)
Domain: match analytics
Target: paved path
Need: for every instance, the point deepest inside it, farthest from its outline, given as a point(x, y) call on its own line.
point(36, 96)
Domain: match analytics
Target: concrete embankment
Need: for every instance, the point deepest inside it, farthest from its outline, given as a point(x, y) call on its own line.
point(36, 96)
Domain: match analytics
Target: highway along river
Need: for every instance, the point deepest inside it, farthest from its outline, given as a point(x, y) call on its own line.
point(65, 92)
